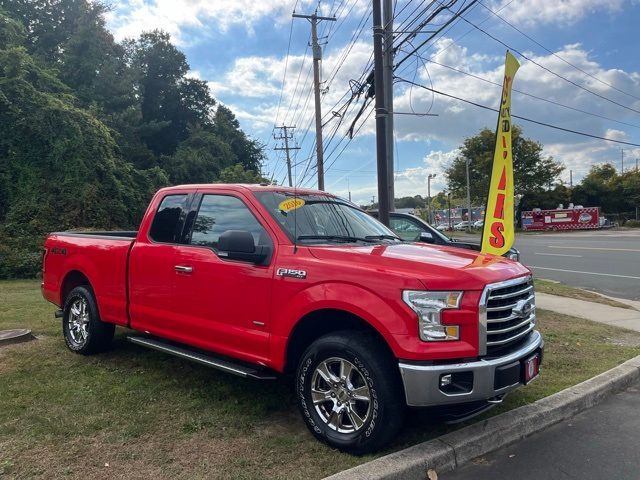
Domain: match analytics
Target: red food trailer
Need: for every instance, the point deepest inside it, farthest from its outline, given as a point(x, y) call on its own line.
point(562, 219)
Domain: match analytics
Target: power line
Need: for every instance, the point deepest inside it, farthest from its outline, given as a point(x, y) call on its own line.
point(547, 69)
point(556, 55)
point(445, 25)
point(477, 77)
point(286, 136)
point(284, 75)
point(519, 117)
point(460, 37)
point(411, 35)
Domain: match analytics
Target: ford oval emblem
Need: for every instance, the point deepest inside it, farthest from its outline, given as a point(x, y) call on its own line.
point(522, 309)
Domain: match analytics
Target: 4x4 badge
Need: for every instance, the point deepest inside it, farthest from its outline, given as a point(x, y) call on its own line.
point(290, 272)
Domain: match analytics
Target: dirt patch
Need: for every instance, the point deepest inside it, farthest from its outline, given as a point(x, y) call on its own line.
point(626, 340)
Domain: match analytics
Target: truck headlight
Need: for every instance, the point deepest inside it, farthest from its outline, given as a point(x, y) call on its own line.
point(428, 306)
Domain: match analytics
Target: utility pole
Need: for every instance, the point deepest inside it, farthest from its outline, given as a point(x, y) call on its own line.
point(429, 177)
point(387, 18)
point(570, 178)
point(468, 199)
point(349, 189)
point(317, 56)
point(622, 160)
point(381, 116)
point(286, 137)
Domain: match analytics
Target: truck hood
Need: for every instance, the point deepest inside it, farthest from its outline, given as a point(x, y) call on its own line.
point(437, 267)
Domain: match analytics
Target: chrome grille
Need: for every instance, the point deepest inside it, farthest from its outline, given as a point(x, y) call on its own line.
point(507, 314)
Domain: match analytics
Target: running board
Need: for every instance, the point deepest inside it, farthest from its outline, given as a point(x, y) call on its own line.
point(207, 360)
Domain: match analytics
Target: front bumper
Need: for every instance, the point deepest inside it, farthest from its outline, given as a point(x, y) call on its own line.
point(484, 379)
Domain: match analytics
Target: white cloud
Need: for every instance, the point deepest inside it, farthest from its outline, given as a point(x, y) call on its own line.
point(251, 79)
point(558, 12)
point(258, 81)
point(131, 17)
point(408, 182)
point(458, 120)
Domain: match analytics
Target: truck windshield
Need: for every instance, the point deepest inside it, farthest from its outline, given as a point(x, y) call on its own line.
point(323, 219)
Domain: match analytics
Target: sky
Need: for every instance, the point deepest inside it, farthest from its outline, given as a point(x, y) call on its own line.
point(578, 57)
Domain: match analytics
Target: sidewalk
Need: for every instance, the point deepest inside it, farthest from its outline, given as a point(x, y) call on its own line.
point(597, 312)
point(599, 443)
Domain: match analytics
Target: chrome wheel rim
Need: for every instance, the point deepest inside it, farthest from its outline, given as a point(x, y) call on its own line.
point(79, 321)
point(340, 395)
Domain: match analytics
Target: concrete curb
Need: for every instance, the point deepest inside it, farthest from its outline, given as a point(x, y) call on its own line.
point(456, 448)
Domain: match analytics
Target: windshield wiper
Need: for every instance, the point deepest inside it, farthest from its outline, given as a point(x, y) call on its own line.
point(337, 238)
point(382, 237)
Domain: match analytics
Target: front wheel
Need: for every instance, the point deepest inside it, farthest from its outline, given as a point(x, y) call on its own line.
point(349, 392)
point(82, 328)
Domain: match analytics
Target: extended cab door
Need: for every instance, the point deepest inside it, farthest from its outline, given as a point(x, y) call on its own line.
point(152, 266)
point(225, 303)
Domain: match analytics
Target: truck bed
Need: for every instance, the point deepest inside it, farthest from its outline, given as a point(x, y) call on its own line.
point(111, 234)
point(101, 256)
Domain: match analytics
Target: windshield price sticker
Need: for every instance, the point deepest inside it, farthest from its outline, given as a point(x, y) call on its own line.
point(290, 204)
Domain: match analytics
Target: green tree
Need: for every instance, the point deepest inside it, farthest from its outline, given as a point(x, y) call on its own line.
point(59, 167)
point(89, 127)
point(170, 102)
point(198, 159)
point(237, 174)
point(546, 199)
point(532, 170)
point(604, 187)
point(247, 151)
point(48, 24)
point(410, 202)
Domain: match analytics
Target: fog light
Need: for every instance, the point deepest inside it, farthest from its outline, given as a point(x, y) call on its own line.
point(456, 383)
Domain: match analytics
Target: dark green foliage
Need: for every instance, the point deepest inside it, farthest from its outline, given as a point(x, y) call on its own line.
point(546, 199)
point(411, 202)
point(617, 194)
point(90, 129)
point(199, 159)
point(238, 174)
point(532, 171)
point(248, 152)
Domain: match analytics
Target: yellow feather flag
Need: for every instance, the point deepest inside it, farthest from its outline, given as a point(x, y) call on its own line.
point(498, 231)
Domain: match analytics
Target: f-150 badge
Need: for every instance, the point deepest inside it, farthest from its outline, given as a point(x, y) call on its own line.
point(290, 272)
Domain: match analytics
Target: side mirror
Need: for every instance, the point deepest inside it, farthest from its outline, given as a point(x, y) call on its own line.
point(426, 237)
point(239, 245)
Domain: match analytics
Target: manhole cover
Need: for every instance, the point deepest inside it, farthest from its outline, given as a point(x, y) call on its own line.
point(17, 335)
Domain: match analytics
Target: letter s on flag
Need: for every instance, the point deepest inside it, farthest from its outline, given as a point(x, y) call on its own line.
point(498, 231)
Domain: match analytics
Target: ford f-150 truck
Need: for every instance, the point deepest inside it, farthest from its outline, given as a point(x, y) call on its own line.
point(262, 280)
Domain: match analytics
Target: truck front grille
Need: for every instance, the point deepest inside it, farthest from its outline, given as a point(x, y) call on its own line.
point(507, 314)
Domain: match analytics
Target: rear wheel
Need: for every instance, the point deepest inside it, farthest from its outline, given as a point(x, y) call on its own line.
point(349, 392)
point(82, 328)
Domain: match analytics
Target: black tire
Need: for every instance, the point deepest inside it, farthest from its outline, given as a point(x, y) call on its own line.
point(85, 333)
point(376, 368)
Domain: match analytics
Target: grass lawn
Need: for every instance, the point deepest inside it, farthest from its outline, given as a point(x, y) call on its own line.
point(562, 290)
point(136, 413)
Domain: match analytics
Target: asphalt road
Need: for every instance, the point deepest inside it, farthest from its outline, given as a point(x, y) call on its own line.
point(604, 261)
point(599, 443)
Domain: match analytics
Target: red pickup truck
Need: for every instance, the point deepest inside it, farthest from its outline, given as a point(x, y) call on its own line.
point(263, 280)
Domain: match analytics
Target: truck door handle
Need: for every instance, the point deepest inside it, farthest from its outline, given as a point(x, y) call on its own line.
point(183, 269)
